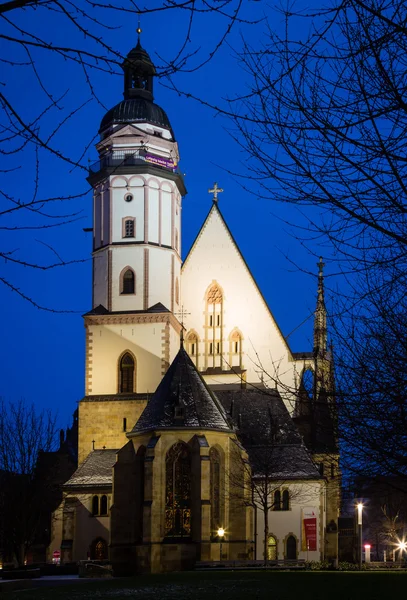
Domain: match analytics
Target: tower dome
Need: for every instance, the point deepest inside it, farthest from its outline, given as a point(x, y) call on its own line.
point(137, 105)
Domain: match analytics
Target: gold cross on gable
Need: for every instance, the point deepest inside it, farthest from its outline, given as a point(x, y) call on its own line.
point(215, 191)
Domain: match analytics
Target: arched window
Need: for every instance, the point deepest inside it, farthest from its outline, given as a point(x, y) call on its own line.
point(176, 240)
point(128, 228)
point(271, 548)
point(178, 491)
point(192, 346)
point(214, 458)
point(103, 505)
point(99, 549)
point(95, 505)
point(126, 374)
point(235, 348)
point(286, 500)
point(291, 548)
point(128, 282)
point(277, 500)
point(214, 327)
point(176, 291)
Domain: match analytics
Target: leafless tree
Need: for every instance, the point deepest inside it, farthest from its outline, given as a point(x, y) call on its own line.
point(46, 45)
point(25, 432)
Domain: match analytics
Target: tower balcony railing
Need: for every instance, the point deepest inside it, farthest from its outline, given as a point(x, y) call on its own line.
point(131, 160)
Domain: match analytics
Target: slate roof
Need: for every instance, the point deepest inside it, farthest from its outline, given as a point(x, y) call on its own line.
point(95, 471)
point(183, 400)
point(136, 110)
point(267, 432)
point(101, 310)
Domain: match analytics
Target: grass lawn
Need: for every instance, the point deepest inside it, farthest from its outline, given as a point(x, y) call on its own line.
point(239, 585)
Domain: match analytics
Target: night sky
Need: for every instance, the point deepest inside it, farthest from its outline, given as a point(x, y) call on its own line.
point(42, 354)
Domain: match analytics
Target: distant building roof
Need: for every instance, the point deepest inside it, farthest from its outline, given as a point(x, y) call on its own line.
point(95, 471)
point(183, 400)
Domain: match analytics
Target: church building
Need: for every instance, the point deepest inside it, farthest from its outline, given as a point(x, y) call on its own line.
point(199, 439)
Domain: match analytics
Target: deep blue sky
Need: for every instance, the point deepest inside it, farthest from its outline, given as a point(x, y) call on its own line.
point(42, 354)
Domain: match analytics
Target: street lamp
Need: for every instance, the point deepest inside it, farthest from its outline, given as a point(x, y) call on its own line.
point(221, 535)
point(402, 546)
point(360, 515)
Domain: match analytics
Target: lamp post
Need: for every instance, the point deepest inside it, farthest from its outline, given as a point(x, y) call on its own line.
point(360, 513)
point(221, 535)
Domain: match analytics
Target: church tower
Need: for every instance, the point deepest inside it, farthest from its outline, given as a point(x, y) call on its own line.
point(132, 334)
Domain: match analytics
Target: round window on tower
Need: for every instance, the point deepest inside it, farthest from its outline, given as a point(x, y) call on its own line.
point(128, 197)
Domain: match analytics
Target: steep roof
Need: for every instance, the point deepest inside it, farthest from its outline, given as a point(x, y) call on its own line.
point(95, 471)
point(215, 210)
point(267, 432)
point(182, 400)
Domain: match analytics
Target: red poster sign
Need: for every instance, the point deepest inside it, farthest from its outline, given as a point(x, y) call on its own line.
point(310, 526)
point(309, 529)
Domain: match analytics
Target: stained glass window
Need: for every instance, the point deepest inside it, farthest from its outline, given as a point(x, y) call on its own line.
point(271, 548)
point(215, 489)
point(178, 491)
point(100, 549)
point(126, 374)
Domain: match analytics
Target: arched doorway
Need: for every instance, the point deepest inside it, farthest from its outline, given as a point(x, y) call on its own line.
point(99, 549)
point(272, 548)
point(291, 546)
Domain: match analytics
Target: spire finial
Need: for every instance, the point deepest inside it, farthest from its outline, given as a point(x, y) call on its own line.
point(215, 191)
point(139, 30)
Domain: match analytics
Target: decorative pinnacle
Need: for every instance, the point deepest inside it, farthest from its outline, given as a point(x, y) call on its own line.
point(181, 314)
point(215, 191)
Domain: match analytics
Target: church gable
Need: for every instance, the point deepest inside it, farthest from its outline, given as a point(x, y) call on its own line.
point(229, 325)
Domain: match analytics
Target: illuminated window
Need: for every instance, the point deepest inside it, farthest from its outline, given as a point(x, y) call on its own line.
point(128, 282)
point(126, 375)
point(95, 505)
point(215, 489)
point(178, 491)
point(213, 321)
point(103, 505)
point(99, 549)
point(192, 346)
point(129, 228)
point(286, 500)
point(277, 500)
point(271, 548)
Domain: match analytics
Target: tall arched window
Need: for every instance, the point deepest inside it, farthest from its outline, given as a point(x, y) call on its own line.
point(103, 505)
point(178, 491)
point(176, 291)
point(95, 505)
point(126, 374)
point(214, 458)
point(286, 500)
point(235, 349)
point(271, 548)
point(291, 548)
point(277, 500)
point(128, 282)
point(214, 326)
